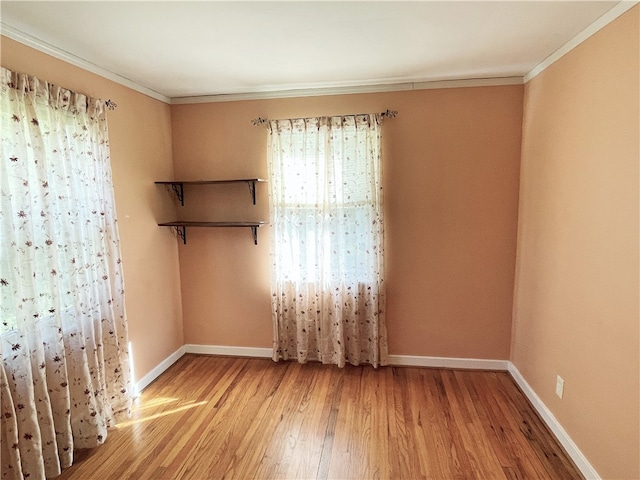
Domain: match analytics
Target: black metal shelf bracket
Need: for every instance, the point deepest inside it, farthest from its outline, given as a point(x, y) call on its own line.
point(252, 191)
point(182, 233)
point(178, 188)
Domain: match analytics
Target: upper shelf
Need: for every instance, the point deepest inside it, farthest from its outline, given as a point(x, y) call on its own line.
point(178, 185)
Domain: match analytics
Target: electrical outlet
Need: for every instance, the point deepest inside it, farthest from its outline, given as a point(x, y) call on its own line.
point(559, 386)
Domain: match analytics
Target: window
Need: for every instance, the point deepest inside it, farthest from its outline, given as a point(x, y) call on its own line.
point(327, 199)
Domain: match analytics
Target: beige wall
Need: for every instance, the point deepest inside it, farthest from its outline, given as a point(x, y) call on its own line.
point(576, 294)
point(451, 169)
point(140, 137)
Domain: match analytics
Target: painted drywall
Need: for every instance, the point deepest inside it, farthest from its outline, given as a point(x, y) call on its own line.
point(576, 291)
point(451, 177)
point(140, 139)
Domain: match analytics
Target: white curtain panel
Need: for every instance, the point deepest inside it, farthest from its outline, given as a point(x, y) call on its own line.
point(327, 282)
point(64, 375)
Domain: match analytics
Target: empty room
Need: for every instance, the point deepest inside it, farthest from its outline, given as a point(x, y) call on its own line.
point(320, 240)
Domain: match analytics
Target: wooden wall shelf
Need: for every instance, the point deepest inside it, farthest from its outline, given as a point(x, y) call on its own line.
point(181, 227)
point(178, 185)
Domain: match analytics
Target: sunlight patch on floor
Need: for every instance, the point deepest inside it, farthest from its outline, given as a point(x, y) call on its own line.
point(159, 415)
point(140, 405)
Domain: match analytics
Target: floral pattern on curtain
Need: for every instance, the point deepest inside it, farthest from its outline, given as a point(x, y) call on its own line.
point(64, 375)
point(327, 281)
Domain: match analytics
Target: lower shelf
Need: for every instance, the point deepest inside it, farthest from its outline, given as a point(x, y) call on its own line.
point(181, 227)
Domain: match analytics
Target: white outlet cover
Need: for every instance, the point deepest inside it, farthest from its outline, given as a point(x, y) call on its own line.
point(559, 386)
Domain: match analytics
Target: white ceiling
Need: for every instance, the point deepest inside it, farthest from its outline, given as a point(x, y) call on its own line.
point(184, 48)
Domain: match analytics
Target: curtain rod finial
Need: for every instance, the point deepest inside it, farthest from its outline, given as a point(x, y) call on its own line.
point(389, 113)
point(110, 104)
point(259, 121)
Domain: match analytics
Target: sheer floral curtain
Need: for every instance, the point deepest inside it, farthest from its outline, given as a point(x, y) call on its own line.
point(64, 375)
point(325, 192)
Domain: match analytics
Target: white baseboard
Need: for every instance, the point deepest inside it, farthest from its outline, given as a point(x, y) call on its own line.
point(563, 437)
point(400, 360)
point(229, 351)
point(159, 369)
point(446, 362)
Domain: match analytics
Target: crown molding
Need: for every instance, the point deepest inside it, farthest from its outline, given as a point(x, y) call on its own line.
point(316, 92)
point(468, 82)
point(302, 92)
point(596, 26)
point(44, 47)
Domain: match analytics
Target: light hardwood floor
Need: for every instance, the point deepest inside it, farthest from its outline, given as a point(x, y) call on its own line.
point(216, 417)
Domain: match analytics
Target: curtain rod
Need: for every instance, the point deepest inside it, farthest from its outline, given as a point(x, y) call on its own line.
point(110, 104)
point(386, 114)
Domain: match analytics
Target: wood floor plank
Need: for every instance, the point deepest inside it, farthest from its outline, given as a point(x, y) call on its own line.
point(275, 461)
point(418, 420)
point(347, 454)
point(234, 418)
point(307, 451)
point(454, 458)
point(488, 464)
point(399, 446)
point(330, 412)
